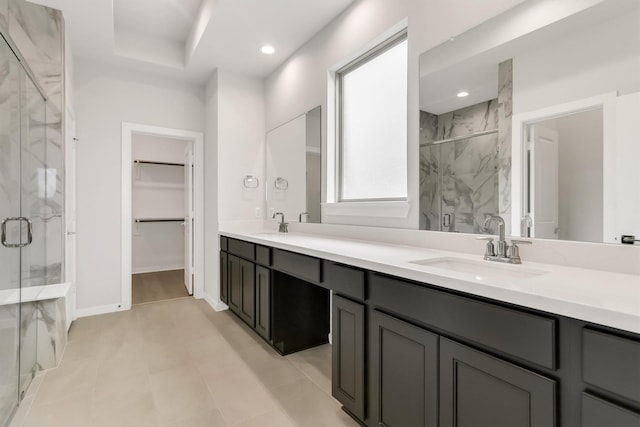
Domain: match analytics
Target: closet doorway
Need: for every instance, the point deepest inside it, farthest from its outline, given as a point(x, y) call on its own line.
point(162, 214)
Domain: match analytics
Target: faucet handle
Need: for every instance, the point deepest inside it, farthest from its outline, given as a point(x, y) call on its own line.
point(514, 250)
point(490, 251)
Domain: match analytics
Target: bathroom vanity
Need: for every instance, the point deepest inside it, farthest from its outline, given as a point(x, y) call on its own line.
point(421, 344)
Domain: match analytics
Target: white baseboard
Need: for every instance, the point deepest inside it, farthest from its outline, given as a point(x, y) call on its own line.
point(216, 305)
point(156, 269)
point(101, 309)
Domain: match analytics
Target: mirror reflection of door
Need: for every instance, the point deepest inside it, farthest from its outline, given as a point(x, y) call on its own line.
point(565, 179)
point(543, 155)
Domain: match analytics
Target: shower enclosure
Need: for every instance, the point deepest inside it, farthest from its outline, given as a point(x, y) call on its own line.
point(459, 182)
point(26, 185)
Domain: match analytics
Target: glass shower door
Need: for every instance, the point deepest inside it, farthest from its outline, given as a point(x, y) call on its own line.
point(34, 192)
point(10, 177)
point(23, 214)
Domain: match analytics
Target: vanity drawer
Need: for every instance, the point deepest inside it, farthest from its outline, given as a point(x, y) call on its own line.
point(302, 266)
point(344, 280)
point(244, 250)
point(223, 243)
point(263, 255)
point(523, 335)
point(611, 363)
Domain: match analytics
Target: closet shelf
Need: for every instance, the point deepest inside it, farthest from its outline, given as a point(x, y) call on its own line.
point(155, 185)
point(159, 219)
point(151, 162)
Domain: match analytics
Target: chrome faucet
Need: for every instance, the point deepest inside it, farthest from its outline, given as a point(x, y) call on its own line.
point(502, 244)
point(304, 215)
point(283, 226)
point(504, 252)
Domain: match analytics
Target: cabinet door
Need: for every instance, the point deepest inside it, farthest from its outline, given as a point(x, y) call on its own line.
point(224, 284)
point(234, 284)
point(404, 373)
point(263, 302)
point(248, 284)
point(597, 412)
point(478, 390)
point(347, 336)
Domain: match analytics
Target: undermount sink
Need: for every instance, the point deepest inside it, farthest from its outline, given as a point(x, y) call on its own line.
point(481, 270)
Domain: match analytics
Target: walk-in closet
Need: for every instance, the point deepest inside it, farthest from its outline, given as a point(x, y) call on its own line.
point(162, 206)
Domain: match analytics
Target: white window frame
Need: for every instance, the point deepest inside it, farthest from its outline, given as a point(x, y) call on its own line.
point(334, 208)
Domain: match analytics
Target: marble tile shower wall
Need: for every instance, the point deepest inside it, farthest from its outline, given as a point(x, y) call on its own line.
point(505, 113)
point(38, 32)
point(464, 180)
point(459, 179)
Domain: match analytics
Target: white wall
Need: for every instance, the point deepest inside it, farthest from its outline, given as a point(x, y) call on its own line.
point(580, 175)
point(211, 241)
point(241, 136)
point(627, 188)
point(106, 97)
point(301, 83)
point(234, 148)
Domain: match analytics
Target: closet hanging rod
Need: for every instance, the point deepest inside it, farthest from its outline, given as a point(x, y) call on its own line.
point(150, 162)
point(459, 138)
point(159, 219)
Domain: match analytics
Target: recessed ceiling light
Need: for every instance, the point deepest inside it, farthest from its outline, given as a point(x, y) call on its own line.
point(267, 49)
point(462, 94)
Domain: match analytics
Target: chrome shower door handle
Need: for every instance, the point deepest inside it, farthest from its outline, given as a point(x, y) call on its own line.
point(3, 232)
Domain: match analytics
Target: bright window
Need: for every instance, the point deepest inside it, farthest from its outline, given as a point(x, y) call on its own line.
point(372, 123)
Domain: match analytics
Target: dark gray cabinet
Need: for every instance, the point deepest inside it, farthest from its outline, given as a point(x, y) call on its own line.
point(526, 336)
point(277, 301)
point(478, 390)
point(597, 412)
point(436, 357)
point(611, 363)
point(347, 336)
point(404, 373)
point(248, 290)
point(241, 297)
point(224, 278)
point(263, 302)
point(234, 284)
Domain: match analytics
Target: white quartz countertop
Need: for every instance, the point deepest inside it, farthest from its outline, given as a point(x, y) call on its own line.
point(611, 299)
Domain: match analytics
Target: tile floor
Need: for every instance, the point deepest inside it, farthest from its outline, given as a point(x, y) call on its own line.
point(179, 363)
point(157, 286)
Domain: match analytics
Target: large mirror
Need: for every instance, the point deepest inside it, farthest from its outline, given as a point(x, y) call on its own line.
point(294, 168)
point(539, 128)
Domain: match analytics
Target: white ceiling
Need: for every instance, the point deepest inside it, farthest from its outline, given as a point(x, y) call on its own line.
point(163, 19)
point(188, 39)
